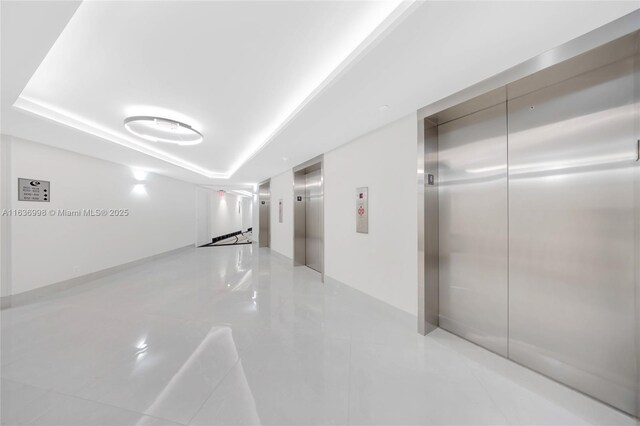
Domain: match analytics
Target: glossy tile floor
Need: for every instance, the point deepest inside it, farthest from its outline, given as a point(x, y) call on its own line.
point(235, 335)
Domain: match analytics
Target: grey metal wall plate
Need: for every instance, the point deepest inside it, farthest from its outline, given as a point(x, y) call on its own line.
point(34, 190)
point(362, 210)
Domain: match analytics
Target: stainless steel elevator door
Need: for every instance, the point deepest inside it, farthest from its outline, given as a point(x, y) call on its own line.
point(313, 220)
point(264, 216)
point(571, 233)
point(472, 179)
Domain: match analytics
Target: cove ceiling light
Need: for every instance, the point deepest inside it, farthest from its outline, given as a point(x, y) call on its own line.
point(358, 38)
point(157, 129)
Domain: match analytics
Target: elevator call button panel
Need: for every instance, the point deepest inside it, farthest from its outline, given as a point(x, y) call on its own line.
point(34, 190)
point(362, 210)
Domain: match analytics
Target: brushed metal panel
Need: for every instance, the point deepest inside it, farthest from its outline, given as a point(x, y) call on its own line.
point(472, 168)
point(299, 221)
point(310, 165)
point(601, 56)
point(362, 210)
point(572, 238)
point(431, 257)
point(487, 100)
point(637, 215)
point(264, 215)
point(313, 217)
point(422, 260)
point(589, 41)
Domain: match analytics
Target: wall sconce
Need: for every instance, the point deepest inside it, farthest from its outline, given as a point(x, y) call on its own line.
point(139, 189)
point(139, 175)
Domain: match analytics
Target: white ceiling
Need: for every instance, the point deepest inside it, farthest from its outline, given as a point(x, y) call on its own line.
point(261, 80)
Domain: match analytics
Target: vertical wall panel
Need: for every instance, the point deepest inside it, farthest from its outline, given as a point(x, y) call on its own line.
point(428, 245)
point(636, 82)
point(264, 216)
point(472, 231)
point(299, 218)
point(572, 233)
point(313, 218)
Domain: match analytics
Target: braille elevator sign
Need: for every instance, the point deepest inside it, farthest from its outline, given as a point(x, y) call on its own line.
point(34, 190)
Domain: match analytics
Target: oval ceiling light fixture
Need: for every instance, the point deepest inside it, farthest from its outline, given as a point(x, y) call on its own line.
point(157, 129)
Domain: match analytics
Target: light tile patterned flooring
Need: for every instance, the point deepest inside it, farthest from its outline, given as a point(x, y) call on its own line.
point(236, 335)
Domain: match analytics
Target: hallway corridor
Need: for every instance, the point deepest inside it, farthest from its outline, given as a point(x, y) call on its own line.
point(236, 335)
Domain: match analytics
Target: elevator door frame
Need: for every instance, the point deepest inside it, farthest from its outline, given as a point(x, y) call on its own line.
point(567, 61)
point(264, 214)
point(299, 211)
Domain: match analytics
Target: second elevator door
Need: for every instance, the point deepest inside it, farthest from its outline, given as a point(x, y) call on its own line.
point(313, 220)
point(573, 220)
point(538, 226)
point(473, 227)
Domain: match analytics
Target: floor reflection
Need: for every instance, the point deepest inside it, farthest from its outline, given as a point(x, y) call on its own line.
point(236, 335)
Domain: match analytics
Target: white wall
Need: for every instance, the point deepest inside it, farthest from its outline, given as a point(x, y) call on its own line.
point(247, 213)
point(5, 221)
point(382, 263)
point(49, 249)
point(203, 216)
point(218, 215)
point(226, 213)
point(282, 233)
